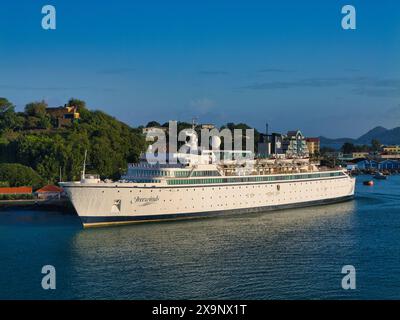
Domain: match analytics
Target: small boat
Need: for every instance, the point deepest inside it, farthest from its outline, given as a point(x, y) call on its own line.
point(368, 183)
point(380, 176)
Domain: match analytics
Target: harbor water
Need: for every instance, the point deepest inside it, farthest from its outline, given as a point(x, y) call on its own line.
point(288, 254)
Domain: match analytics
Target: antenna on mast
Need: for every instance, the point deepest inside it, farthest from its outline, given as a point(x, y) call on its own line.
point(84, 165)
point(194, 119)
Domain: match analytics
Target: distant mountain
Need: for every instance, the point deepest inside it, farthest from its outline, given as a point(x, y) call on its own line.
point(375, 133)
point(383, 135)
point(335, 143)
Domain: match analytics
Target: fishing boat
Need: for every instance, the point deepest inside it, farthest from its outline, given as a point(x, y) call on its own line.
point(380, 176)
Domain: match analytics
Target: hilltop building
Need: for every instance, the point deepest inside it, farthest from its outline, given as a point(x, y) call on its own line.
point(65, 116)
point(151, 132)
point(154, 129)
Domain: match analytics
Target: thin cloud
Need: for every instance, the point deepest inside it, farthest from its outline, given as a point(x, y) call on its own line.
point(117, 71)
point(213, 72)
point(202, 105)
point(49, 88)
point(377, 92)
point(363, 85)
point(393, 111)
point(273, 70)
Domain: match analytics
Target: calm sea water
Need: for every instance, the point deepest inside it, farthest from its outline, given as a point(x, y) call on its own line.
point(291, 254)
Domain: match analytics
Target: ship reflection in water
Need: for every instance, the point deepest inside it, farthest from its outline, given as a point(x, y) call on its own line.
point(249, 256)
point(286, 254)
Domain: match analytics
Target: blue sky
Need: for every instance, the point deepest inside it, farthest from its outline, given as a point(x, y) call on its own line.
point(288, 63)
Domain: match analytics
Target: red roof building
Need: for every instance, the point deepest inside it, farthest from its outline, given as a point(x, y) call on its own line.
point(49, 192)
point(16, 190)
point(49, 188)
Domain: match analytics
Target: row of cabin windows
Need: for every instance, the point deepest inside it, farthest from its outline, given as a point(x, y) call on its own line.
point(206, 173)
point(160, 173)
point(165, 173)
point(255, 179)
point(145, 180)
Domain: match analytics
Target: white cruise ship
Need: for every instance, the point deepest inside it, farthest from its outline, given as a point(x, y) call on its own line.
point(198, 187)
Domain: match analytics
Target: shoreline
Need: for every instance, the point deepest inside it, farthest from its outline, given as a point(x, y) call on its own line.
point(63, 205)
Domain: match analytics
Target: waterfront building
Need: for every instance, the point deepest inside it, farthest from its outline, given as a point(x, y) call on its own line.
point(294, 145)
point(276, 140)
point(368, 164)
point(313, 145)
point(391, 149)
point(360, 155)
point(264, 146)
point(264, 149)
point(389, 165)
point(389, 157)
point(334, 154)
point(353, 156)
point(49, 192)
point(351, 166)
point(15, 190)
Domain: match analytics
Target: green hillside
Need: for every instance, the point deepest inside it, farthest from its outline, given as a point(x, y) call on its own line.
point(34, 139)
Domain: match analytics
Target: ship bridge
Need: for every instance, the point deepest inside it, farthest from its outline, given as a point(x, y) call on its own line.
point(153, 173)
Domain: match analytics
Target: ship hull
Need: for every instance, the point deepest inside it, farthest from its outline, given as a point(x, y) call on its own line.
point(105, 204)
point(104, 221)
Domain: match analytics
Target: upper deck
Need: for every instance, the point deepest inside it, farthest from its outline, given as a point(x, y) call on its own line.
point(257, 170)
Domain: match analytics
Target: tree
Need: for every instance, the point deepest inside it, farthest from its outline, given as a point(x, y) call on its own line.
point(36, 109)
point(5, 105)
point(17, 175)
point(80, 104)
point(376, 145)
point(325, 150)
point(348, 147)
point(153, 124)
point(9, 119)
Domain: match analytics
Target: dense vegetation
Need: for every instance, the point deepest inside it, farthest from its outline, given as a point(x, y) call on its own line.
point(17, 175)
point(349, 147)
point(32, 139)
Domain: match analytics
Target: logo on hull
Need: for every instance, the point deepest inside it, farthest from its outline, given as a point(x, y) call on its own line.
point(145, 201)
